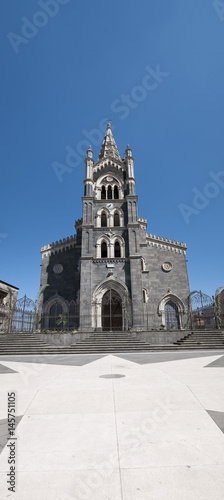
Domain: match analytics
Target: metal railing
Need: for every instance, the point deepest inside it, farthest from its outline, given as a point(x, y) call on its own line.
point(201, 312)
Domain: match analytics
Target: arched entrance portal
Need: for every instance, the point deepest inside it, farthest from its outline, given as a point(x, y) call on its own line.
point(172, 316)
point(111, 311)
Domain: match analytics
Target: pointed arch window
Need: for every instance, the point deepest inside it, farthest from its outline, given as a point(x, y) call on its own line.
point(55, 310)
point(103, 220)
point(116, 194)
point(103, 250)
point(103, 193)
point(116, 219)
point(117, 249)
point(109, 193)
point(145, 296)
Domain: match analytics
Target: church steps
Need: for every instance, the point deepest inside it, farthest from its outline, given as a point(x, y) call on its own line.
point(101, 342)
point(27, 343)
point(109, 342)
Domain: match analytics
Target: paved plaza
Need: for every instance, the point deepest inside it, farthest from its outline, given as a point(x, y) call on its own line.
point(113, 427)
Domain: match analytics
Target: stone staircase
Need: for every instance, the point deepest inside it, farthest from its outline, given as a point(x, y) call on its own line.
point(110, 342)
point(194, 340)
point(27, 343)
point(125, 342)
point(107, 342)
point(199, 339)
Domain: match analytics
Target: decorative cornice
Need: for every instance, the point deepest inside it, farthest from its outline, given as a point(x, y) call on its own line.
point(165, 243)
point(142, 223)
point(123, 228)
point(165, 240)
point(108, 163)
point(68, 242)
point(115, 201)
point(142, 220)
point(105, 261)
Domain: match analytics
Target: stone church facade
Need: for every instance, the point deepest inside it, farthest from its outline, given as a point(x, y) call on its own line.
point(112, 274)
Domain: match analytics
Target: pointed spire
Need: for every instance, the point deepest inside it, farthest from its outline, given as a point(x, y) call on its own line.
point(128, 151)
point(89, 153)
point(109, 147)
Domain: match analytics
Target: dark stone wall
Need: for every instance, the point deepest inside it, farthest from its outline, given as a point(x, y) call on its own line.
point(67, 283)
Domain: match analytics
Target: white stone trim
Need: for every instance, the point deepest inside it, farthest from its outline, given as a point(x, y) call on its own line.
point(98, 216)
point(116, 181)
point(98, 294)
point(110, 241)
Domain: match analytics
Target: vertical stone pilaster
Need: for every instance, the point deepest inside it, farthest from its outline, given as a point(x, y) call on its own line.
point(136, 293)
point(85, 320)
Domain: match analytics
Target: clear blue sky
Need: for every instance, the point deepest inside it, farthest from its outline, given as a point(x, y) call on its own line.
point(74, 70)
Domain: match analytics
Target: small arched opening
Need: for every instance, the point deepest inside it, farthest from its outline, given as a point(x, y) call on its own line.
point(116, 193)
point(103, 193)
point(103, 219)
point(117, 249)
point(109, 193)
point(103, 250)
point(116, 219)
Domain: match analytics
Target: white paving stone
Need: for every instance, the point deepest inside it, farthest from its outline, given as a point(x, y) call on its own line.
point(173, 483)
point(144, 436)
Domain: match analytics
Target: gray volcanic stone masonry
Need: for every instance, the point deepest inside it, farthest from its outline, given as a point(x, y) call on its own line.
point(112, 275)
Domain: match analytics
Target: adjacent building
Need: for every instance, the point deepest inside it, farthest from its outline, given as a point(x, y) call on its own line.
point(8, 298)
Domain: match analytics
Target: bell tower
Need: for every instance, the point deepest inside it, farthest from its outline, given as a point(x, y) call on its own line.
point(110, 260)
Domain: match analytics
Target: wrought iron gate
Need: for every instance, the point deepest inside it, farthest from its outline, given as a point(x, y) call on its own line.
point(202, 311)
point(24, 315)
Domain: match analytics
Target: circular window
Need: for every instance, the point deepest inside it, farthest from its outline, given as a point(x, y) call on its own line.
point(167, 266)
point(58, 268)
